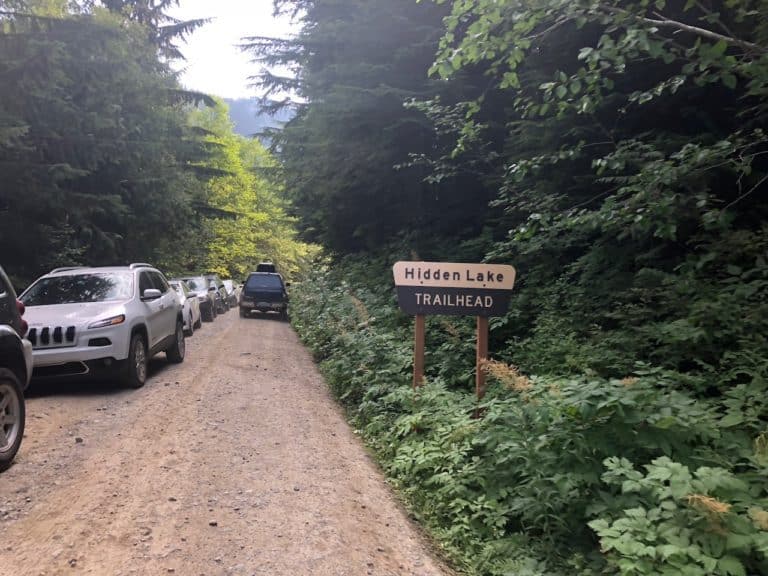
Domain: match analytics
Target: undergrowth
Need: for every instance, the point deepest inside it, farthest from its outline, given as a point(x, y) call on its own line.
point(574, 475)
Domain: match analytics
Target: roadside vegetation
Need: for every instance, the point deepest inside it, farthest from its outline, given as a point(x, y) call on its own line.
point(615, 153)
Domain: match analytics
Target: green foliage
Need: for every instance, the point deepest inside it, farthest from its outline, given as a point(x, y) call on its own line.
point(546, 476)
point(105, 160)
point(248, 221)
point(353, 153)
point(675, 521)
point(94, 151)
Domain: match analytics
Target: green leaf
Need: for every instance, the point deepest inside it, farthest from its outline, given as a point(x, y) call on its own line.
point(731, 420)
point(666, 423)
point(731, 566)
point(729, 80)
point(575, 86)
point(720, 48)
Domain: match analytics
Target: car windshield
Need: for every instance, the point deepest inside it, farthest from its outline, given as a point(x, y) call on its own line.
point(264, 281)
point(197, 284)
point(80, 288)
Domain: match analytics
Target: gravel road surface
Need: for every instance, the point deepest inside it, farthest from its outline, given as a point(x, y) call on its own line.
point(236, 462)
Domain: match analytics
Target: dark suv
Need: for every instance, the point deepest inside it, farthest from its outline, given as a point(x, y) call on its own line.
point(15, 371)
point(264, 292)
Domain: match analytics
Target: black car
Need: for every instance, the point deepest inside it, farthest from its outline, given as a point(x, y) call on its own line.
point(15, 371)
point(264, 292)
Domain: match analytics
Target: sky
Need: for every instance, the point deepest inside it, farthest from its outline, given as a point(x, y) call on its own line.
point(214, 63)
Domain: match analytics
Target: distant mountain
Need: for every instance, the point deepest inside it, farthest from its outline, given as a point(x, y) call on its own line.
point(249, 120)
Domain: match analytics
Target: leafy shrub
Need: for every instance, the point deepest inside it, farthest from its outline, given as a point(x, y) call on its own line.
point(547, 481)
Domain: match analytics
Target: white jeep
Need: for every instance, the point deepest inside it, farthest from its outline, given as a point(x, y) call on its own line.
point(110, 319)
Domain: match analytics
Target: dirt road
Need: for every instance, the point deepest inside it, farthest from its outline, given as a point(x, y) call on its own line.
point(236, 462)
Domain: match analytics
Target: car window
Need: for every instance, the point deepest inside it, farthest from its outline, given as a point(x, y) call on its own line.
point(197, 284)
point(159, 282)
point(78, 288)
point(145, 282)
point(264, 281)
point(178, 287)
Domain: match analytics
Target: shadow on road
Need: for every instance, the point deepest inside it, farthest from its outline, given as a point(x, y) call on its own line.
point(90, 386)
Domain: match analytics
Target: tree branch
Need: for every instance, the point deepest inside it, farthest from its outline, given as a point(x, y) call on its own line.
point(665, 22)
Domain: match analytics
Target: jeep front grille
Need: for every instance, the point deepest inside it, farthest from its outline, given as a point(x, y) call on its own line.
point(52, 336)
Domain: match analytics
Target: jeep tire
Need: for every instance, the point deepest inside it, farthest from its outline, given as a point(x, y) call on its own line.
point(134, 370)
point(191, 330)
point(12, 417)
point(175, 352)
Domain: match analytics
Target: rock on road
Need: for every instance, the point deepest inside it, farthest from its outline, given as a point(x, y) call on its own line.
point(235, 462)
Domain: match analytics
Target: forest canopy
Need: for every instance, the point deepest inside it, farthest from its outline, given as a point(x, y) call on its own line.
point(105, 158)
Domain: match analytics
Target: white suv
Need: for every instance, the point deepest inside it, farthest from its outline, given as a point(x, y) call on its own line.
point(91, 320)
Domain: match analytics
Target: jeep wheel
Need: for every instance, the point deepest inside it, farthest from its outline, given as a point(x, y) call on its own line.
point(135, 366)
point(11, 417)
point(243, 313)
point(199, 323)
point(191, 330)
point(175, 353)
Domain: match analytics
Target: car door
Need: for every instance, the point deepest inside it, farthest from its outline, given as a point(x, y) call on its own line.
point(169, 305)
point(153, 309)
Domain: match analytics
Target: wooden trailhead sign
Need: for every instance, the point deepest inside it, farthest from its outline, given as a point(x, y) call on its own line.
point(425, 288)
point(480, 290)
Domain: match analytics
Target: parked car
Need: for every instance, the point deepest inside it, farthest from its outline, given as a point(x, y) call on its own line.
point(264, 292)
point(229, 286)
point(201, 288)
point(15, 371)
point(222, 301)
point(107, 320)
point(190, 306)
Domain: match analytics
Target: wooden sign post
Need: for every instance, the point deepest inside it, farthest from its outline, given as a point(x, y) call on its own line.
point(480, 290)
point(482, 355)
point(418, 352)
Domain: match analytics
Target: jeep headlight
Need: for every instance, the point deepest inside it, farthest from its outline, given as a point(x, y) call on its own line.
point(112, 321)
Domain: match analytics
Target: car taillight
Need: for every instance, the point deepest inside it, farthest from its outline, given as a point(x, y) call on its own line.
point(24, 326)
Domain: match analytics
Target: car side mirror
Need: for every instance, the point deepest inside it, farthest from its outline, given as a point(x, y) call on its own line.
point(191, 294)
point(151, 294)
point(212, 289)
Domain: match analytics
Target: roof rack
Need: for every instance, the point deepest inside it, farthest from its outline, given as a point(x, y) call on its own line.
point(64, 269)
point(141, 265)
